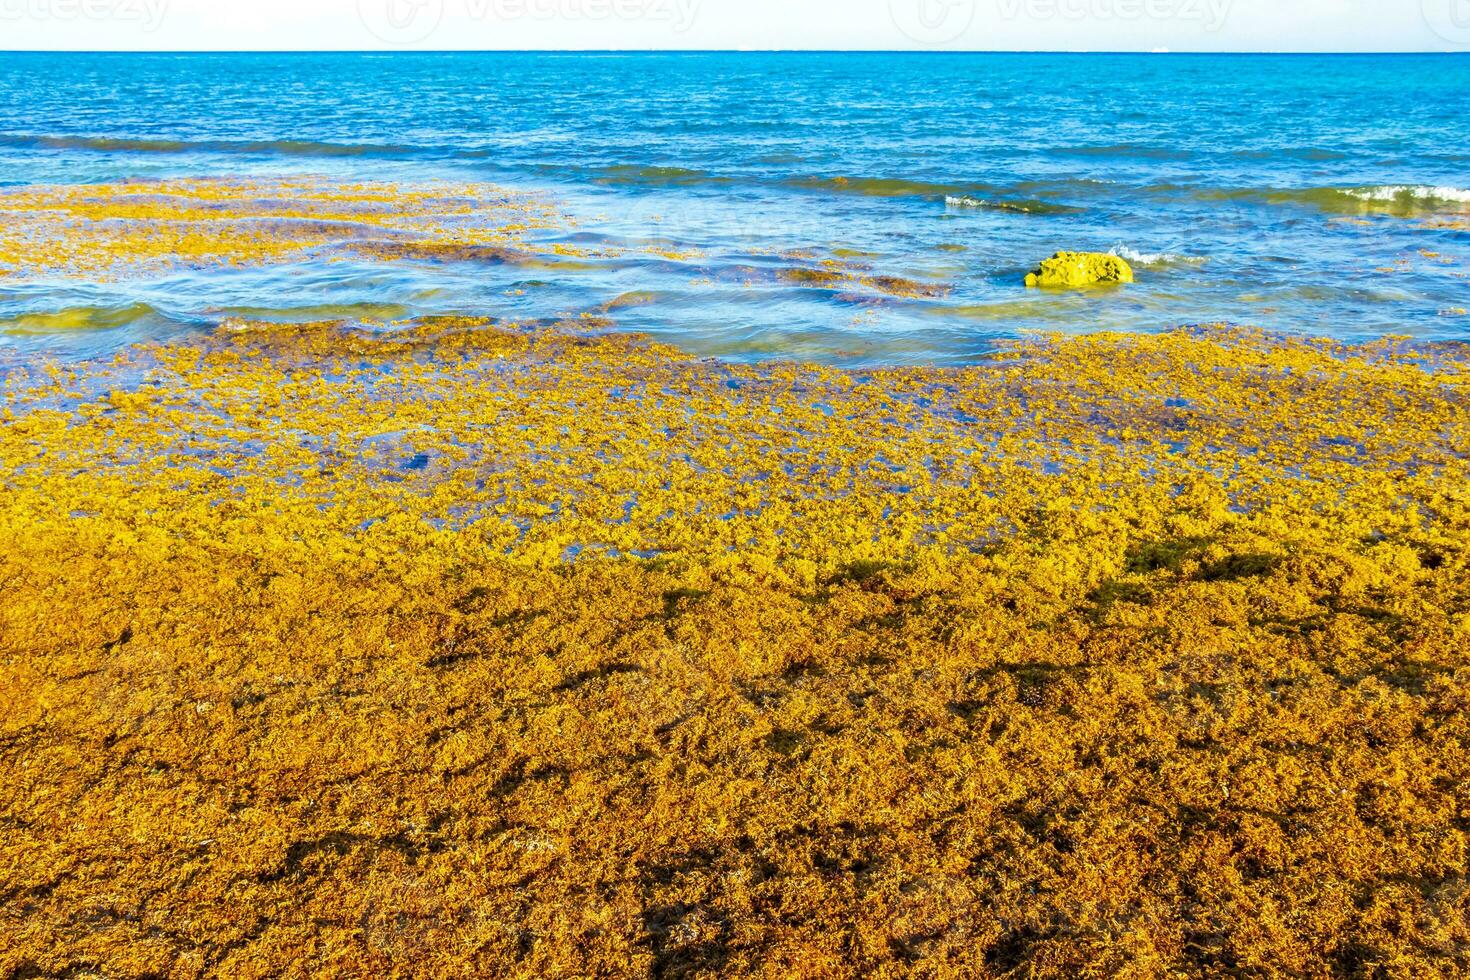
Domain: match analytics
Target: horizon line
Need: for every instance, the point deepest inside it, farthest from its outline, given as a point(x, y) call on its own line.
point(914, 51)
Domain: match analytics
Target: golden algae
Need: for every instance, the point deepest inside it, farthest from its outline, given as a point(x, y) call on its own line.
point(151, 227)
point(75, 318)
point(839, 275)
point(902, 286)
point(816, 278)
point(1073, 269)
point(147, 226)
point(467, 649)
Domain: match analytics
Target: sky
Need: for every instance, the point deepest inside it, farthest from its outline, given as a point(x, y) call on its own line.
point(1055, 25)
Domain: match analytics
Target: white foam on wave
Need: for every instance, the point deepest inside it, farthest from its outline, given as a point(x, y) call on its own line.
point(1155, 258)
point(1418, 192)
point(964, 202)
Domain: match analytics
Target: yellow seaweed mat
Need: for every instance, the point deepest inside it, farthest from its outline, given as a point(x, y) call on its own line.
point(144, 228)
point(105, 231)
point(466, 650)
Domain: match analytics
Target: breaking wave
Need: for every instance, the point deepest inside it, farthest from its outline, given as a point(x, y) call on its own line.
point(1136, 257)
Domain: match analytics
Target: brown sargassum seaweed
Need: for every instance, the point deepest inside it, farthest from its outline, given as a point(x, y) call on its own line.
point(460, 649)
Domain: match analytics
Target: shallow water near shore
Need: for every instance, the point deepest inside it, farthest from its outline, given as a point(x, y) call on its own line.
point(689, 184)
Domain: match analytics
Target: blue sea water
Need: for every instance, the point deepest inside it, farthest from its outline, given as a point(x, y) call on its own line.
point(1311, 194)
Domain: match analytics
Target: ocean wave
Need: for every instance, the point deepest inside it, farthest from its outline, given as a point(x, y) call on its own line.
point(1313, 154)
point(634, 175)
point(1020, 207)
point(306, 148)
point(956, 195)
point(1412, 192)
point(76, 319)
point(1401, 200)
point(368, 311)
point(1135, 151)
point(874, 186)
point(1136, 257)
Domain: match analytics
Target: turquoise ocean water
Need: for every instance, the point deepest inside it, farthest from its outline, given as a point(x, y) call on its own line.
point(1307, 194)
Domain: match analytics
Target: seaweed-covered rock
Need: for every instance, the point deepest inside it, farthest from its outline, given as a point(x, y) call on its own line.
point(1080, 269)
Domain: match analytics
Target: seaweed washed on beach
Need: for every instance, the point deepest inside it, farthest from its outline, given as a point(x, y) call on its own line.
point(461, 645)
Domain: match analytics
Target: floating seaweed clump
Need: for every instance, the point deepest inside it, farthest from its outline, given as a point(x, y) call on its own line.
point(836, 275)
point(462, 649)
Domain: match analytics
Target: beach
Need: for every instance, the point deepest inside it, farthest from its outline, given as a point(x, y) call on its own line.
point(419, 560)
point(548, 650)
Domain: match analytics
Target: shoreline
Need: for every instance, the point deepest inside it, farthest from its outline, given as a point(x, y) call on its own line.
point(91, 268)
